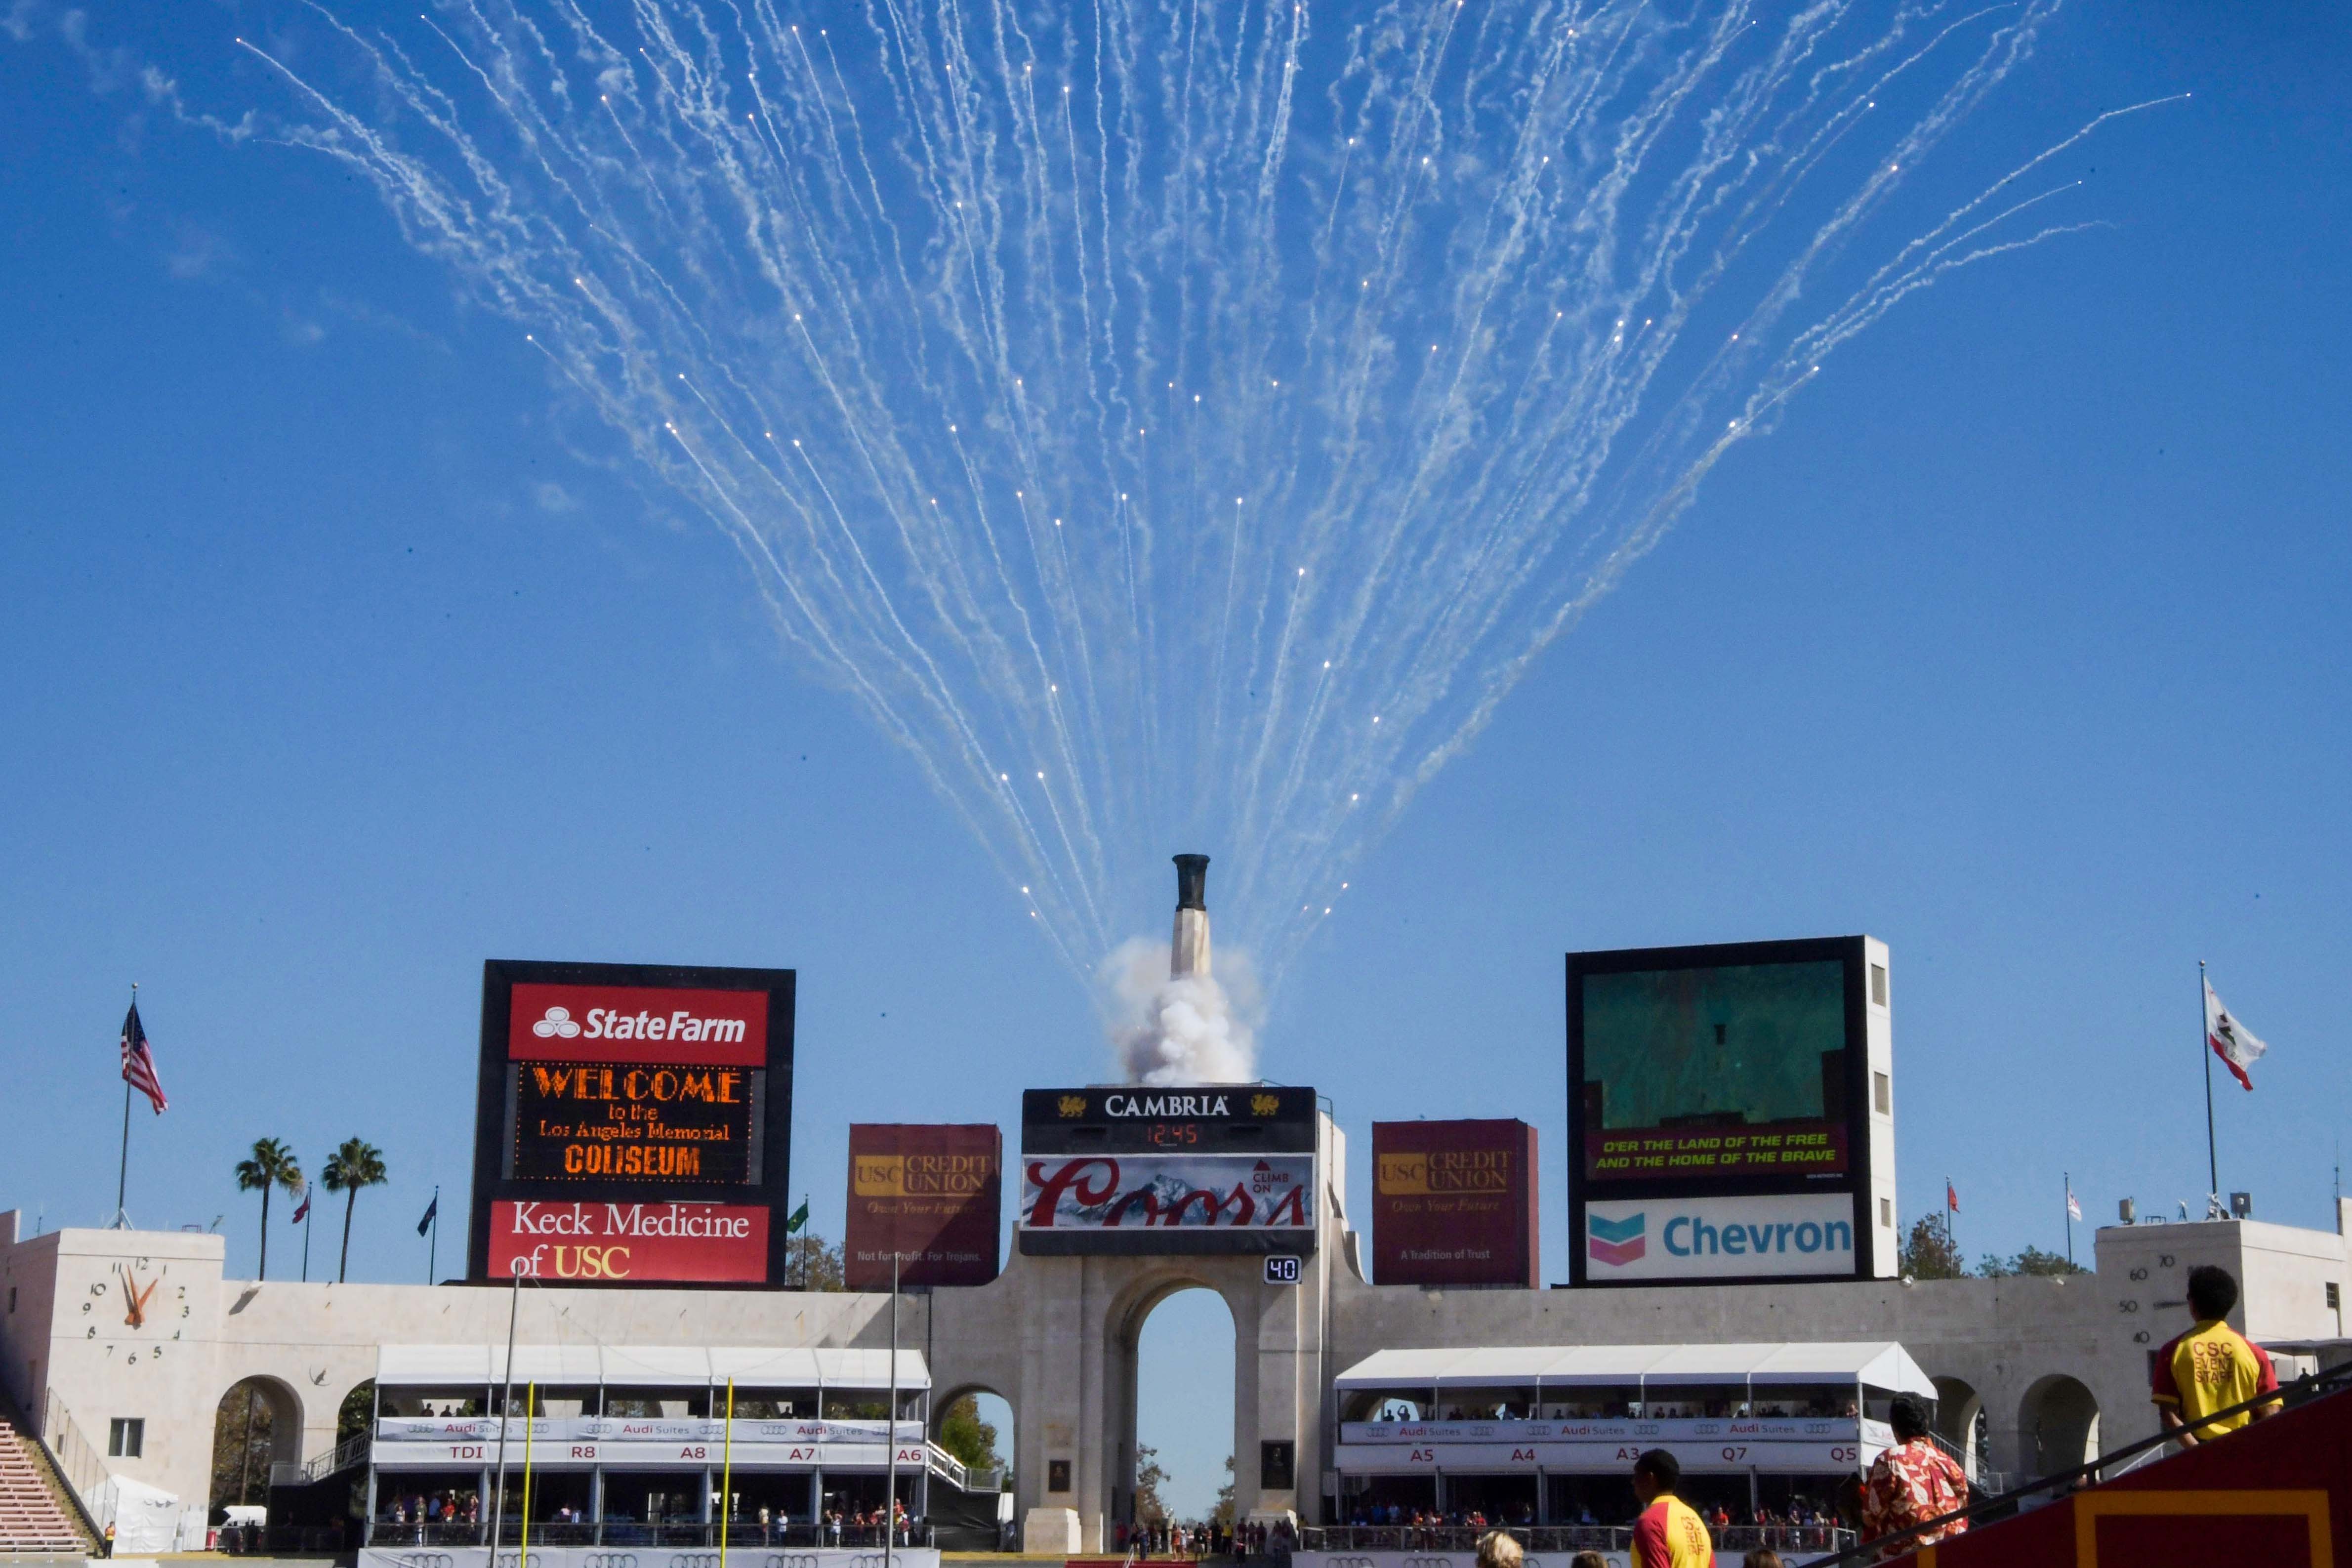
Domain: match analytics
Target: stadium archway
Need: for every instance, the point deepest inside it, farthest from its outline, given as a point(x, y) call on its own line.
point(1169, 1382)
point(1961, 1421)
point(257, 1424)
point(2057, 1425)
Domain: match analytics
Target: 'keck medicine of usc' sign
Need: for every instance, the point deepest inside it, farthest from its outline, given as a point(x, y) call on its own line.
point(633, 1124)
point(618, 1243)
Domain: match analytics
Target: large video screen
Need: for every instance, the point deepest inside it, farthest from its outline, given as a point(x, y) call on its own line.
point(633, 1124)
point(1737, 1070)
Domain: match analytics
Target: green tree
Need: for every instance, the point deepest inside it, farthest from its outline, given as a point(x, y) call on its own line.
point(1149, 1478)
point(971, 1440)
point(358, 1163)
point(356, 1416)
point(2032, 1260)
point(1224, 1512)
point(272, 1166)
point(243, 1428)
point(1929, 1254)
point(811, 1263)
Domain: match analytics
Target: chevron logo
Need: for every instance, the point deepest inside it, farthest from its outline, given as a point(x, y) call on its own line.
point(1615, 1242)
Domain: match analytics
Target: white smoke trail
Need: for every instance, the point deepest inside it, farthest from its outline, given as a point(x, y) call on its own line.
point(1202, 458)
point(1191, 1029)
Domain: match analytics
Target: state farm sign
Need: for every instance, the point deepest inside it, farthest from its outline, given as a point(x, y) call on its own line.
point(642, 1243)
point(633, 1123)
point(636, 1024)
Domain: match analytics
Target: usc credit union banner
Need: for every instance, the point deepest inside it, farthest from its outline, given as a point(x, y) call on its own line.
point(1167, 1191)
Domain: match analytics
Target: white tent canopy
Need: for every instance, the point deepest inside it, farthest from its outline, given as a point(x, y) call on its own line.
point(1874, 1363)
point(645, 1366)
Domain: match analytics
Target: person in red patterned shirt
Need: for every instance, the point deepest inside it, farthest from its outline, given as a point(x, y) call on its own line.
point(1911, 1483)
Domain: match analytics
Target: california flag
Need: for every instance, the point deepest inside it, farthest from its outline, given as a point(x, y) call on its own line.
point(2231, 1040)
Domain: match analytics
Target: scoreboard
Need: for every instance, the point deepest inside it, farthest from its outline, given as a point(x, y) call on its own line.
point(633, 1124)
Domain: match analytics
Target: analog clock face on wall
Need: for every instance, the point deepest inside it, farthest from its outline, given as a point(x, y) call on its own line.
point(150, 1304)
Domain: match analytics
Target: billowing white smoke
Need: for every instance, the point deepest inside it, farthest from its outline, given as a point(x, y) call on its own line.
point(1192, 1029)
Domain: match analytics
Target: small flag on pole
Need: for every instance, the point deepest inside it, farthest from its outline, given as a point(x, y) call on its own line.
point(2231, 1040)
point(799, 1218)
point(139, 1062)
point(302, 1209)
point(1951, 1197)
point(432, 1211)
point(2074, 1209)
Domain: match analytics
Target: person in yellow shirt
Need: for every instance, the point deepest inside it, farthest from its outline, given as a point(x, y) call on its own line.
point(2212, 1366)
point(1669, 1534)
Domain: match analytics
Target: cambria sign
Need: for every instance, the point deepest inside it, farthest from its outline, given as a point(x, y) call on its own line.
point(1215, 1168)
point(633, 1124)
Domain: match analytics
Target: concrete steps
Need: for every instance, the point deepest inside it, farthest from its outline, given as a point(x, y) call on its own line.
point(32, 1521)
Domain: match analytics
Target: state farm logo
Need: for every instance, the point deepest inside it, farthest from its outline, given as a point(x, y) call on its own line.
point(557, 1025)
point(638, 1024)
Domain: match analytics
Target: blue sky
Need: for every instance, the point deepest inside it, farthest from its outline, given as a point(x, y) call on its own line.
point(332, 669)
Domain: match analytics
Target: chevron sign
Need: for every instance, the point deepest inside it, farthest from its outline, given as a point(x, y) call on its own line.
point(1615, 1242)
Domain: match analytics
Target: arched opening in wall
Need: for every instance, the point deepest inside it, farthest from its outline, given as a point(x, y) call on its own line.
point(975, 1426)
point(1960, 1422)
point(1176, 1464)
point(257, 1422)
point(2058, 1425)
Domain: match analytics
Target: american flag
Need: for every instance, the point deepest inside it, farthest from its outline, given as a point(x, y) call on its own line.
point(139, 1062)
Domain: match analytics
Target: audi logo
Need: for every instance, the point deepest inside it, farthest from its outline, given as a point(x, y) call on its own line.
point(1347, 1563)
point(1429, 1562)
point(425, 1560)
point(791, 1559)
point(694, 1560)
point(608, 1560)
point(868, 1560)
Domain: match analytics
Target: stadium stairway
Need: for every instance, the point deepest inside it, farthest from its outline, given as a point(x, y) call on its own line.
point(35, 1520)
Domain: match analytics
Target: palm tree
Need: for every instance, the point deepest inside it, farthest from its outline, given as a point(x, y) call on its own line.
point(358, 1163)
point(272, 1166)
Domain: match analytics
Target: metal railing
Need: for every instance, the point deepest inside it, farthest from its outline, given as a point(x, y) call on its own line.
point(75, 1457)
point(273, 1540)
point(318, 1468)
point(1540, 1539)
point(743, 1533)
point(2130, 1457)
point(957, 1473)
point(1562, 1538)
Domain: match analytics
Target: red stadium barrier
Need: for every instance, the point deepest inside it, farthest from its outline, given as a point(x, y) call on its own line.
point(2277, 1493)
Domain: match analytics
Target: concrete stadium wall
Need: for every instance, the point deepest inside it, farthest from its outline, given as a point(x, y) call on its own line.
point(1056, 1337)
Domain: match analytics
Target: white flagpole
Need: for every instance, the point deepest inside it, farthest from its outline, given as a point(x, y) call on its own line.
point(506, 1415)
point(121, 1220)
point(890, 1504)
point(2205, 1054)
